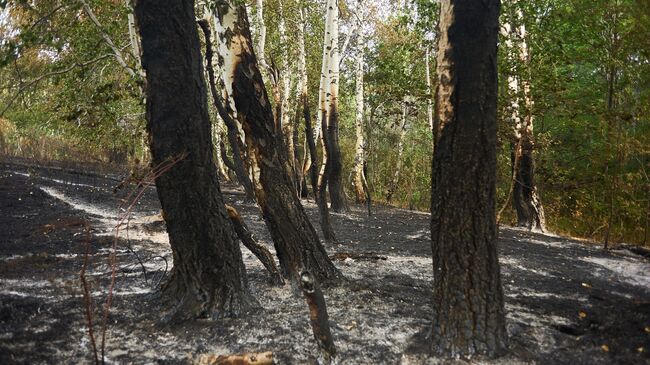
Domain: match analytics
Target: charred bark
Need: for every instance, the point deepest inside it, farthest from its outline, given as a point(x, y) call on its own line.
point(335, 178)
point(296, 242)
point(469, 314)
point(208, 278)
point(318, 316)
point(309, 138)
point(238, 154)
point(530, 213)
point(321, 197)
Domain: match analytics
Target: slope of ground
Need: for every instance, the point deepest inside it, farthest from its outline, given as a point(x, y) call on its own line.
point(567, 302)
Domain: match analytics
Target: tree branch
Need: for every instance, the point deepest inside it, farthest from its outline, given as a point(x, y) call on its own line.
point(25, 86)
point(116, 52)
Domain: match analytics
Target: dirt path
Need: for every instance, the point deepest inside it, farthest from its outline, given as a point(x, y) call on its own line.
point(567, 302)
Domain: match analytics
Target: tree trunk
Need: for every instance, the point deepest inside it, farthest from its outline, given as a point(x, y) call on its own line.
point(400, 151)
point(429, 89)
point(287, 123)
point(216, 141)
point(321, 197)
point(238, 147)
point(208, 278)
point(335, 178)
point(469, 314)
point(296, 242)
point(530, 212)
point(359, 157)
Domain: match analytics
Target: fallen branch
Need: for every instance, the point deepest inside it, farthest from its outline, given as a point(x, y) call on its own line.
point(262, 358)
point(258, 250)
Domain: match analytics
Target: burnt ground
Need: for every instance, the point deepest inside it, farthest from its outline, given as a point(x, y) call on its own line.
point(566, 301)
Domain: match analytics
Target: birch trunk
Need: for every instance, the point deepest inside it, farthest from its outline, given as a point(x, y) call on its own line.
point(287, 123)
point(296, 242)
point(525, 197)
point(323, 101)
point(216, 141)
point(335, 178)
point(400, 151)
point(359, 158)
point(261, 36)
point(311, 165)
point(237, 144)
point(429, 89)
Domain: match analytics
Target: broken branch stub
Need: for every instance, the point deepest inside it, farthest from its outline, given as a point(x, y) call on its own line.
point(257, 249)
point(263, 358)
point(318, 316)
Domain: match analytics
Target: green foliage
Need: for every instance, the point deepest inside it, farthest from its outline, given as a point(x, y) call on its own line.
point(63, 95)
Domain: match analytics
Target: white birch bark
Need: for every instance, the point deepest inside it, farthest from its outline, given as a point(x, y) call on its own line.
point(303, 81)
point(261, 36)
point(285, 120)
point(117, 54)
point(324, 93)
point(429, 89)
point(229, 55)
point(359, 156)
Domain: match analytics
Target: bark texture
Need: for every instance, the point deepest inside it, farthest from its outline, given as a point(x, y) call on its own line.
point(530, 212)
point(525, 197)
point(296, 242)
point(400, 152)
point(208, 278)
point(359, 179)
point(335, 178)
point(238, 148)
point(469, 315)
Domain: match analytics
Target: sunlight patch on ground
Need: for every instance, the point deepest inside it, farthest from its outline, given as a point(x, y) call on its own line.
point(513, 263)
point(629, 271)
point(69, 183)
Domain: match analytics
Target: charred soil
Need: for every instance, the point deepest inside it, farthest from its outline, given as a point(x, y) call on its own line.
point(566, 301)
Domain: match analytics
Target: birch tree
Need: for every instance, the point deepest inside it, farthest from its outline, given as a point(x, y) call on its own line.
point(296, 242)
point(525, 197)
point(400, 151)
point(359, 178)
point(335, 178)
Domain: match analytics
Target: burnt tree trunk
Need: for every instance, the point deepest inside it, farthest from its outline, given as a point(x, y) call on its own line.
point(208, 278)
point(530, 213)
point(296, 242)
point(335, 178)
point(238, 150)
point(469, 314)
point(309, 138)
point(321, 197)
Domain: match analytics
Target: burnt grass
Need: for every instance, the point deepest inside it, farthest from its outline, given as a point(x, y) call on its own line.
point(564, 305)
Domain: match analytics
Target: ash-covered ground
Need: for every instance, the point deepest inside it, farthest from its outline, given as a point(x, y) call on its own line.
point(567, 301)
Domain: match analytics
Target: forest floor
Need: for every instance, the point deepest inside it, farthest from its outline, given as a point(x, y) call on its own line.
point(567, 302)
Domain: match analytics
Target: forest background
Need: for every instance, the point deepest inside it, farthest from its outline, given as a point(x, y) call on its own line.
point(71, 89)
